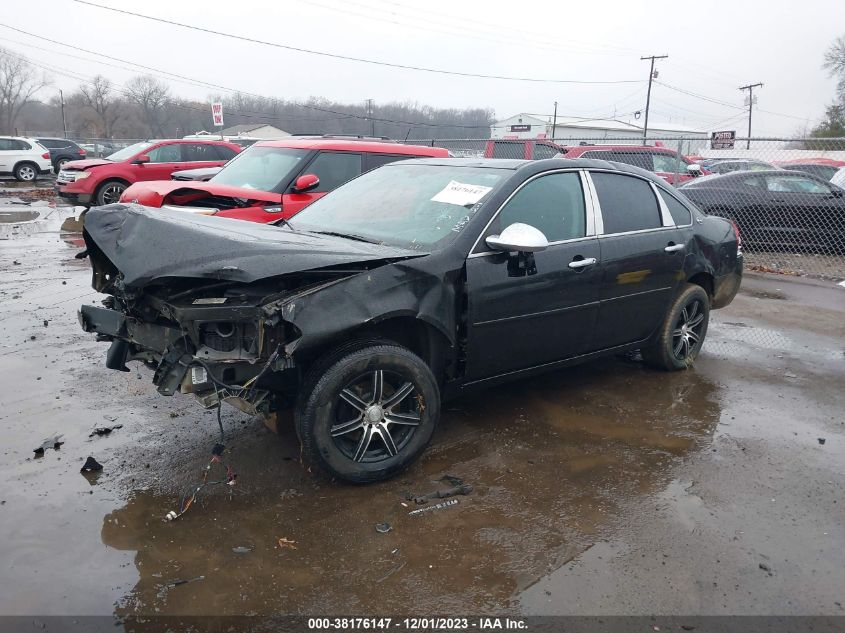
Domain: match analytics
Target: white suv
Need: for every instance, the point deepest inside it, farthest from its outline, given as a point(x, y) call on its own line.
point(23, 158)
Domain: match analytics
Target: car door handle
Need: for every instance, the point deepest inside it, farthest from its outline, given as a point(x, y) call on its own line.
point(581, 263)
point(672, 248)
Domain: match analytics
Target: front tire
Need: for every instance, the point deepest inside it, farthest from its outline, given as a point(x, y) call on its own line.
point(367, 414)
point(110, 192)
point(26, 172)
point(682, 331)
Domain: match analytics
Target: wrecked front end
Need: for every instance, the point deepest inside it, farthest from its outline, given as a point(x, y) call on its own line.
point(216, 307)
point(218, 344)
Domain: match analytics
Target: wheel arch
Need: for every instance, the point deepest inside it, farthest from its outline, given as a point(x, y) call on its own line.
point(706, 280)
point(27, 161)
point(425, 339)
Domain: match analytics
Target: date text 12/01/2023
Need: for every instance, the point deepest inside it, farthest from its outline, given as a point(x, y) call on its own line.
point(414, 624)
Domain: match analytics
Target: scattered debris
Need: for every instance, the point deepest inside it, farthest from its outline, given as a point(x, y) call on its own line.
point(16, 263)
point(462, 489)
point(383, 528)
point(110, 418)
point(822, 440)
point(185, 581)
point(241, 550)
point(105, 430)
point(445, 504)
point(287, 543)
point(46, 323)
point(392, 571)
point(55, 442)
point(91, 465)
point(766, 568)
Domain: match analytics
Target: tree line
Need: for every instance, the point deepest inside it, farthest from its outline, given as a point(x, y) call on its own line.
point(146, 107)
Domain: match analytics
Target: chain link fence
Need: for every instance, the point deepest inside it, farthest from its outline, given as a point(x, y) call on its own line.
point(785, 195)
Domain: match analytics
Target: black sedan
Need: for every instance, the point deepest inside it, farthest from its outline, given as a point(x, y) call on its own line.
point(412, 283)
point(776, 209)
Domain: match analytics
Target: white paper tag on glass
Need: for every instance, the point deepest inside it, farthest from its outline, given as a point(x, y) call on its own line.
point(198, 375)
point(209, 301)
point(461, 194)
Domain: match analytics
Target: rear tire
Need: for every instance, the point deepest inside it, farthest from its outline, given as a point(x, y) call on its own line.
point(26, 172)
point(682, 332)
point(367, 411)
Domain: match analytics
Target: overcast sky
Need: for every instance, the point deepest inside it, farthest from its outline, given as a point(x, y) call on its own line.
point(714, 47)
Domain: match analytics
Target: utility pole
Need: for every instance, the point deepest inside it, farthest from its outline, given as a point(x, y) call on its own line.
point(64, 121)
point(554, 122)
point(370, 115)
point(648, 94)
point(750, 89)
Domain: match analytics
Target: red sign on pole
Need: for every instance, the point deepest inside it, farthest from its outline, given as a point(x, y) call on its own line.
point(217, 114)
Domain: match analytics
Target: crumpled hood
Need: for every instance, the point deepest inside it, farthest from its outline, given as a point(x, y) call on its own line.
point(154, 191)
point(147, 244)
point(87, 163)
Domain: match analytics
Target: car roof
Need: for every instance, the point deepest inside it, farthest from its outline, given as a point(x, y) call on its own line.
point(353, 145)
point(536, 166)
point(737, 175)
point(618, 148)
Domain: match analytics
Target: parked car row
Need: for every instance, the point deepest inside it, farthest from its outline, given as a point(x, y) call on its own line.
point(360, 307)
point(24, 158)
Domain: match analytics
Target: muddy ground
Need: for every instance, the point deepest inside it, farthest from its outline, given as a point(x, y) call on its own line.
point(604, 489)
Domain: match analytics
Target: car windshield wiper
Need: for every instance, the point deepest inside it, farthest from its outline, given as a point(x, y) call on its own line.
point(349, 236)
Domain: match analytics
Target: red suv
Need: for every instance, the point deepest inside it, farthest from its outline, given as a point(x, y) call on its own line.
point(274, 180)
point(99, 181)
point(673, 167)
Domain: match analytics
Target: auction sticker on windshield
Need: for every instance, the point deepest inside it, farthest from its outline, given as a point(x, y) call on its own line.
point(460, 193)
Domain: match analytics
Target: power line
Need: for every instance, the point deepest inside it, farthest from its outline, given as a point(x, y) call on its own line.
point(246, 114)
point(439, 71)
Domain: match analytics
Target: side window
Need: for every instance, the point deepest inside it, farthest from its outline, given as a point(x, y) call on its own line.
point(507, 149)
point(753, 181)
point(795, 184)
point(17, 144)
point(334, 168)
point(166, 154)
point(198, 152)
point(668, 163)
point(637, 159)
point(5, 144)
point(222, 152)
point(680, 214)
point(627, 203)
point(554, 204)
point(542, 150)
point(371, 161)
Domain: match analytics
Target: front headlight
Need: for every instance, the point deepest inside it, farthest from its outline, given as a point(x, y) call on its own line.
point(82, 174)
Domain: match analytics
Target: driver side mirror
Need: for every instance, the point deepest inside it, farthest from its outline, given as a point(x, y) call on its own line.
point(140, 159)
point(304, 183)
point(519, 237)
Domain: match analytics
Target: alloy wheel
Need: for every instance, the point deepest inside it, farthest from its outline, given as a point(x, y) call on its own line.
point(686, 337)
point(26, 173)
point(376, 415)
point(111, 194)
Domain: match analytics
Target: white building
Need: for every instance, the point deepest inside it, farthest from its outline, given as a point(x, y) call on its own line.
point(572, 130)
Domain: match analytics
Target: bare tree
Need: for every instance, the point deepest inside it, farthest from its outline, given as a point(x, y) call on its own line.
point(100, 97)
point(18, 83)
point(151, 96)
point(834, 63)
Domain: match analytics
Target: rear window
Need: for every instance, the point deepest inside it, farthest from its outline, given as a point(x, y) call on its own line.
point(627, 203)
point(681, 216)
point(224, 153)
point(544, 151)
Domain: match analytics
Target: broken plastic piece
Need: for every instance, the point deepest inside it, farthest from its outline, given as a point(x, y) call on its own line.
point(91, 465)
point(55, 442)
point(383, 528)
point(445, 504)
